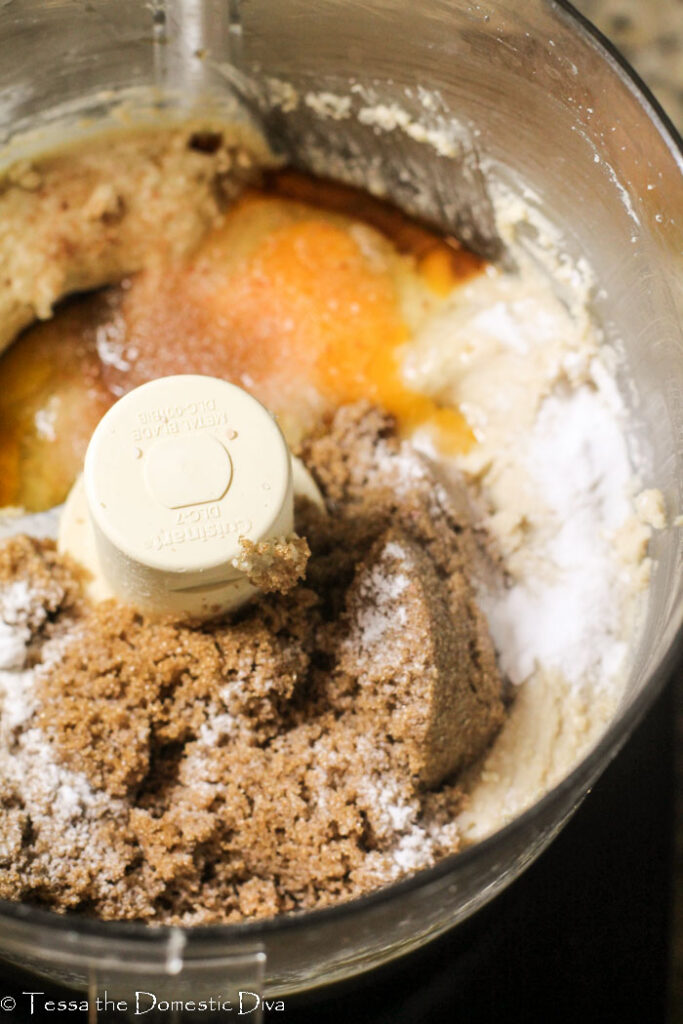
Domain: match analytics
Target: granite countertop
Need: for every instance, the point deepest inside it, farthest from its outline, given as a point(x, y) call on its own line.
point(650, 35)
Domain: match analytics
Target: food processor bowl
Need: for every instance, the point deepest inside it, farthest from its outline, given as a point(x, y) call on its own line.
point(443, 106)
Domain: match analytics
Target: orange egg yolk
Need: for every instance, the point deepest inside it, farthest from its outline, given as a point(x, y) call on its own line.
point(313, 304)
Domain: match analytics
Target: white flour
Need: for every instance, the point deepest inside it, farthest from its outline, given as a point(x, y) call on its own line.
point(379, 612)
point(567, 616)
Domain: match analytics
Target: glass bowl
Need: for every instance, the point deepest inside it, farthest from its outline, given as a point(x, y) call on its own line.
point(525, 97)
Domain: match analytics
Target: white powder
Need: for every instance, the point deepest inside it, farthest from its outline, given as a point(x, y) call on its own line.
point(16, 696)
point(378, 619)
point(13, 642)
point(216, 727)
point(45, 419)
point(16, 602)
point(110, 341)
point(394, 810)
point(60, 804)
point(380, 613)
point(564, 610)
point(15, 609)
point(403, 469)
point(14, 521)
point(413, 851)
point(407, 841)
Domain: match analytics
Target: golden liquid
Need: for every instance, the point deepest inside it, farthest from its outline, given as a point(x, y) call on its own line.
point(51, 399)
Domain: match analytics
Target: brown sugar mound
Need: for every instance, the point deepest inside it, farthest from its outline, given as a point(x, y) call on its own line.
point(299, 753)
point(433, 670)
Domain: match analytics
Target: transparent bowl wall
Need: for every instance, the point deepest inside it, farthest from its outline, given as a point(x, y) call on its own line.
point(532, 98)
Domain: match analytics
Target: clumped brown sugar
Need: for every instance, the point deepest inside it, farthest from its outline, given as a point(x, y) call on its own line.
point(273, 564)
point(300, 753)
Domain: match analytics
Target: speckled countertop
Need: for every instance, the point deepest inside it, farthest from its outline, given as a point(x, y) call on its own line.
point(650, 35)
